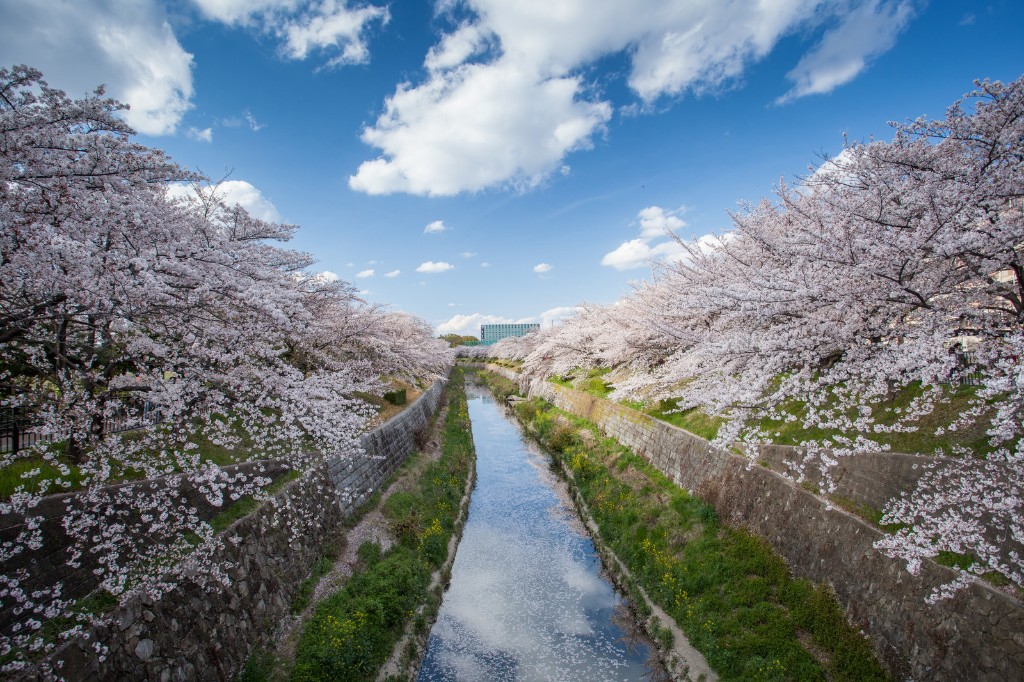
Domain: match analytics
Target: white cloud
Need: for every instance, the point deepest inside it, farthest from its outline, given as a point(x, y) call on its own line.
point(246, 119)
point(549, 317)
point(844, 52)
point(636, 253)
point(130, 47)
point(469, 324)
point(393, 273)
point(204, 135)
point(485, 264)
point(654, 223)
point(451, 305)
point(478, 126)
point(248, 197)
point(365, 273)
point(541, 268)
point(503, 103)
point(468, 254)
point(331, 27)
point(435, 227)
point(657, 222)
point(327, 276)
point(432, 268)
point(235, 192)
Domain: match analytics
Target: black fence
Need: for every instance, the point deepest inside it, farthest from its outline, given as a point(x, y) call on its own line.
point(19, 428)
point(967, 372)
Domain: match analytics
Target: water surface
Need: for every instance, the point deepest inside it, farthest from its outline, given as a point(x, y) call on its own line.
point(527, 599)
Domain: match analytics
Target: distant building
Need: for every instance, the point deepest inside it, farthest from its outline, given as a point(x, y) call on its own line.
point(489, 333)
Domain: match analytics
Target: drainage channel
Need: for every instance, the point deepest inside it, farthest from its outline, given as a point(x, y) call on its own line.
point(527, 599)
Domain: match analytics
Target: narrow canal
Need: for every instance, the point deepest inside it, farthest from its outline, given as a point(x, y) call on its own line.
point(528, 600)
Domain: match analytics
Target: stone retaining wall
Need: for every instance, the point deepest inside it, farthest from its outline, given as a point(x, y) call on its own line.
point(976, 635)
point(51, 563)
point(204, 629)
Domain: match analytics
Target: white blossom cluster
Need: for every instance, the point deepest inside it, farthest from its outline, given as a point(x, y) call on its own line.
point(894, 266)
point(119, 297)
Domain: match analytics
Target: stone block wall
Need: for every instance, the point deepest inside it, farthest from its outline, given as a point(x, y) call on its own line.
point(385, 448)
point(868, 478)
point(976, 635)
point(205, 629)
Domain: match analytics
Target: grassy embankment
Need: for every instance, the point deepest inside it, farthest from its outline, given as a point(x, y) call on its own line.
point(352, 632)
point(727, 589)
point(932, 436)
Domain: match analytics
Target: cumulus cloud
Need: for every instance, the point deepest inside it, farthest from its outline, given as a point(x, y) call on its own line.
point(469, 325)
point(478, 126)
point(502, 102)
point(654, 223)
point(235, 192)
point(541, 268)
point(365, 273)
point(330, 27)
point(548, 318)
point(431, 267)
point(468, 254)
point(844, 52)
point(393, 273)
point(485, 264)
point(435, 227)
point(204, 135)
point(248, 197)
point(129, 47)
point(326, 276)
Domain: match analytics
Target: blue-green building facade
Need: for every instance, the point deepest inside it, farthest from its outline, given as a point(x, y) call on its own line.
point(489, 333)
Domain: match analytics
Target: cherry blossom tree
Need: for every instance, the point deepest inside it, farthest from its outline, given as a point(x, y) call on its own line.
point(119, 296)
point(867, 280)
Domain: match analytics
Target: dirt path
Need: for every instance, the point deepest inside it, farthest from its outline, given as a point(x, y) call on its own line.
point(373, 527)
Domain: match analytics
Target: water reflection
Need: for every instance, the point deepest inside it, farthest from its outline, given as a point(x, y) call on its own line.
point(527, 601)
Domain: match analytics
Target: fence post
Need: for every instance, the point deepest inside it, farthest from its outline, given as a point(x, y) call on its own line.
point(14, 431)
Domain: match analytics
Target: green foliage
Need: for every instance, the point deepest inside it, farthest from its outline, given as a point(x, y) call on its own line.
point(501, 387)
point(352, 632)
point(727, 589)
point(259, 668)
point(460, 340)
point(396, 397)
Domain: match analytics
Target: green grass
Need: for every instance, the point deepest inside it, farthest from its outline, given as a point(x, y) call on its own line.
point(727, 589)
point(11, 477)
point(321, 567)
point(924, 440)
point(693, 420)
point(352, 632)
point(501, 387)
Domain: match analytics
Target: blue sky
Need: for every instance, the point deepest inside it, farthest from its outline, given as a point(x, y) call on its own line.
point(508, 160)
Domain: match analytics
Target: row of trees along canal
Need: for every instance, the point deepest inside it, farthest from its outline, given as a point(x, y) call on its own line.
point(877, 305)
point(126, 280)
